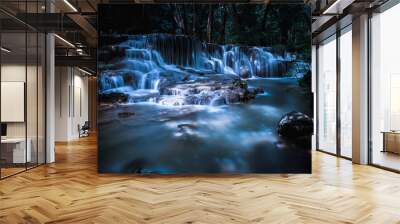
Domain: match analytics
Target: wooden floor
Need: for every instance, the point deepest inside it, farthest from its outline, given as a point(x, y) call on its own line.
point(387, 159)
point(70, 191)
point(5, 172)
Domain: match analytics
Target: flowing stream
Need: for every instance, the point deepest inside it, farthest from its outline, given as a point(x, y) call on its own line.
point(183, 114)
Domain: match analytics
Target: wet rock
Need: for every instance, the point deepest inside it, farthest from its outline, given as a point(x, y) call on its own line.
point(240, 83)
point(245, 73)
point(186, 126)
point(108, 53)
point(109, 81)
point(142, 95)
point(247, 96)
point(295, 125)
point(185, 130)
point(106, 107)
point(250, 94)
point(113, 97)
point(213, 92)
point(305, 80)
point(131, 78)
point(125, 114)
point(199, 99)
point(217, 101)
point(186, 78)
point(232, 96)
point(256, 90)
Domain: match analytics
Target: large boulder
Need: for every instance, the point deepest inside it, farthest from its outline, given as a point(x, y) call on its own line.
point(245, 73)
point(295, 125)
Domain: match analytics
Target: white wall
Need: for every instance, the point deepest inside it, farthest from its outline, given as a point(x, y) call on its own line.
point(71, 102)
point(62, 82)
point(80, 110)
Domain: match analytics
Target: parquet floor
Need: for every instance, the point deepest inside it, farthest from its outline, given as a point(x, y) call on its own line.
point(71, 191)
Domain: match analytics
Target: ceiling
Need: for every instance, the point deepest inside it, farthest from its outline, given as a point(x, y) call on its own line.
point(75, 21)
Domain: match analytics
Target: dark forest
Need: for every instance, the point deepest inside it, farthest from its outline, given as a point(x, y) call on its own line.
point(281, 27)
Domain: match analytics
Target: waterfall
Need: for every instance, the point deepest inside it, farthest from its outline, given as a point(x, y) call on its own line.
point(155, 60)
point(155, 84)
point(110, 82)
point(143, 82)
point(158, 50)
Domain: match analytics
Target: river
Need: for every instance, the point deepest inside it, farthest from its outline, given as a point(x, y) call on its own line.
point(197, 108)
point(235, 138)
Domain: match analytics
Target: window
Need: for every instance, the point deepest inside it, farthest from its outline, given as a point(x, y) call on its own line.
point(346, 92)
point(327, 95)
point(385, 89)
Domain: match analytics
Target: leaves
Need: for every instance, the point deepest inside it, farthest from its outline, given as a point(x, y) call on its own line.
point(282, 27)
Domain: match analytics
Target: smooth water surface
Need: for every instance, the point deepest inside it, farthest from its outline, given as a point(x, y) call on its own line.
point(233, 138)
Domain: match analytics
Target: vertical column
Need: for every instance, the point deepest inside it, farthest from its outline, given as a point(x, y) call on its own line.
point(338, 99)
point(314, 91)
point(62, 103)
point(50, 92)
point(360, 90)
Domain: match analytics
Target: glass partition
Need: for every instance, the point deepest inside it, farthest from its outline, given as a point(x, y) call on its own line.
point(22, 67)
point(14, 153)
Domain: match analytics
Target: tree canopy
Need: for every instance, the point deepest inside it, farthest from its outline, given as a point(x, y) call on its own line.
point(285, 27)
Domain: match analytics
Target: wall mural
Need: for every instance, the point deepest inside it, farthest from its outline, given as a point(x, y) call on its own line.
point(204, 88)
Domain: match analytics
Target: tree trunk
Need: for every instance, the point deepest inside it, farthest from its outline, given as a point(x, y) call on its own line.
point(264, 20)
point(194, 20)
point(185, 22)
point(284, 32)
point(236, 19)
point(178, 20)
point(222, 30)
point(173, 22)
point(209, 23)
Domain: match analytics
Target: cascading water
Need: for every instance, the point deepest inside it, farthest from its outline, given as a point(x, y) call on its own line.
point(160, 60)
